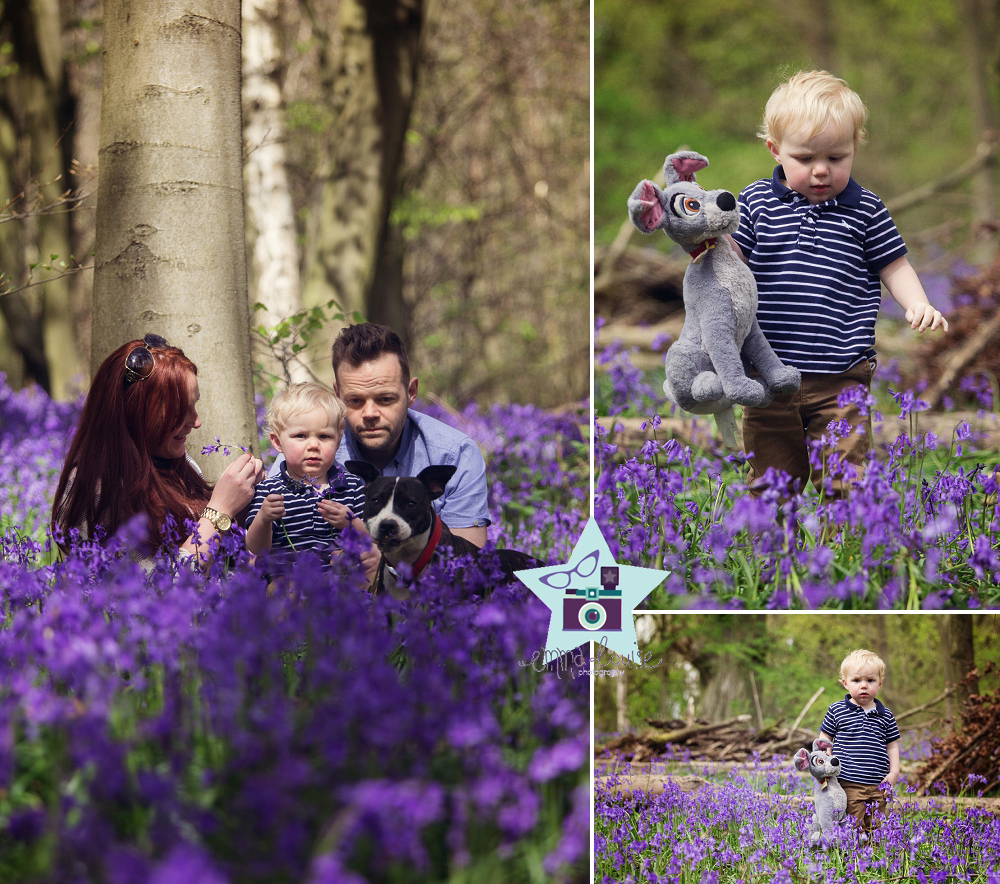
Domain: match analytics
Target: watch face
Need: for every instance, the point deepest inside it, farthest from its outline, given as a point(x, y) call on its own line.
point(223, 522)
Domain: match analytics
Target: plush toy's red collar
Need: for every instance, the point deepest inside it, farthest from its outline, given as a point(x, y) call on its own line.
point(703, 247)
point(432, 543)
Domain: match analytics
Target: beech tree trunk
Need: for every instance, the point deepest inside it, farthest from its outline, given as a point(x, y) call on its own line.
point(170, 253)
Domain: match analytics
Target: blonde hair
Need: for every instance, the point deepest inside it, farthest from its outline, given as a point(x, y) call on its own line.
point(808, 102)
point(860, 661)
point(302, 398)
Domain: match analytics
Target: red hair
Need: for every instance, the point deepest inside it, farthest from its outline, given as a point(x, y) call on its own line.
point(110, 472)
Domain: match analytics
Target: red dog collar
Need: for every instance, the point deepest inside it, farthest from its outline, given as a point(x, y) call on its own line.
point(432, 543)
point(703, 247)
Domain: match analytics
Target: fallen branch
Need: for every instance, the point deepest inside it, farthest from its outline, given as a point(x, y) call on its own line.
point(927, 705)
point(985, 153)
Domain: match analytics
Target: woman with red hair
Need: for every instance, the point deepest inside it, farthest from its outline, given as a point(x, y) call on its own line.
point(128, 457)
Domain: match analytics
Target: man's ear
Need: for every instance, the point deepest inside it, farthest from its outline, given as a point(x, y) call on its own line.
point(411, 391)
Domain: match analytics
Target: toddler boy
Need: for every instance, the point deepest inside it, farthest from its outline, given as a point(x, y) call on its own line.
point(311, 499)
point(865, 736)
point(820, 246)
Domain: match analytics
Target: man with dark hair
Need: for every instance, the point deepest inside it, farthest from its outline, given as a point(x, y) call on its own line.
point(373, 379)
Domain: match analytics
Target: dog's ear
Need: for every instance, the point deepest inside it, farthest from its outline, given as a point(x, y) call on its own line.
point(435, 478)
point(821, 745)
point(362, 469)
point(801, 759)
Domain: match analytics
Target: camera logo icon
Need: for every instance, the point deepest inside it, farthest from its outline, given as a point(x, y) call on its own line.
point(595, 607)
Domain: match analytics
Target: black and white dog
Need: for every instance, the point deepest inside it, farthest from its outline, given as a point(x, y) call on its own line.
point(402, 522)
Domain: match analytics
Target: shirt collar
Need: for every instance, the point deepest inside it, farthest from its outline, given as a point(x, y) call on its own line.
point(849, 196)
point(290, 482)
point(349, 443)
point(878, 710)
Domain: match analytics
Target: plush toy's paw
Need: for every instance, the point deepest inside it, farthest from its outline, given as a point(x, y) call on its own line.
point(644, 207)
point(785, 381)
point(706, 387)
point(748, 391)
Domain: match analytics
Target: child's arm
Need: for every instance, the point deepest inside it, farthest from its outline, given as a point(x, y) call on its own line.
point(904, 285)
point(259, 530)
point(892, 750)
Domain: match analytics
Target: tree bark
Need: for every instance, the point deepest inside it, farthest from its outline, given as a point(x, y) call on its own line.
point(979, 23)
point(38, 97)
point(372, 81)
point(961, 647)
point(170, 253)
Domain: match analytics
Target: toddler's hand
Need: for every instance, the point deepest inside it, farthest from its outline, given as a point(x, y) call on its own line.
point(337, 515)
point(273, 508)
point(924, 316)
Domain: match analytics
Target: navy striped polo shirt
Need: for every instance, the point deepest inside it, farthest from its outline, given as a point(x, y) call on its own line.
point(302, 527)
point(817, 270)
point(859, 740)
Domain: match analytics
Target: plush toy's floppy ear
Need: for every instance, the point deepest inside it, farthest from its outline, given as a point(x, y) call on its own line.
point(821, 745)
point(801, 759)
point(681, 166)
point(644, 207)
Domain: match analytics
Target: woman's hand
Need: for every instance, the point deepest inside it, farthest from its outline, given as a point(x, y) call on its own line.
point(234, 490)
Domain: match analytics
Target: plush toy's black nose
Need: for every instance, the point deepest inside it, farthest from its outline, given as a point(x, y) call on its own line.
point(726, 201)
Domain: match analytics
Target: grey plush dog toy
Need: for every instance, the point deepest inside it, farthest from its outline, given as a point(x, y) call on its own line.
point(829, 798)
point(706, 366)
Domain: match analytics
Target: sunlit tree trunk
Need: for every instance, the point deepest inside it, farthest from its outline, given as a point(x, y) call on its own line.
point(170, 222)
point(274, 278)
point(621, 703)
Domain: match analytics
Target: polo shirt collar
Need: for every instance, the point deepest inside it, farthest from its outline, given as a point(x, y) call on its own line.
point(295, 484)
point(879, 708)
point(849, 196)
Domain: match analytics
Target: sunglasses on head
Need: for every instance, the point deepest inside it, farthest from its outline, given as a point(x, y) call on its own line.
point(139, 363)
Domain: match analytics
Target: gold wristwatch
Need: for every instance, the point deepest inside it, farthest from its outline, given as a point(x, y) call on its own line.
point(221, 521)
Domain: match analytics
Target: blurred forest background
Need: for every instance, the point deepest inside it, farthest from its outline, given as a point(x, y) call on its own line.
point(424, 162)
point(672, 75)
point(713, 665)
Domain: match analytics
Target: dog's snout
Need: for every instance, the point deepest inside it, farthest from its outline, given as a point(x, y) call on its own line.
point(834, 761)
point(726, 201)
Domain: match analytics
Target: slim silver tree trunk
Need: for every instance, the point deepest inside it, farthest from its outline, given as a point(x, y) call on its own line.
point(170, 251)
point(274, 252)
